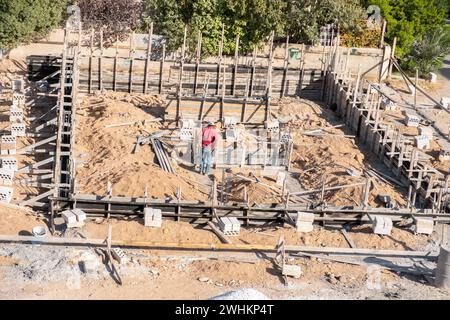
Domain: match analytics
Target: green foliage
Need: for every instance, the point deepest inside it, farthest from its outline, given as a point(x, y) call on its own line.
point(305, 17)
point(252, 20)
point(409, 20)
point(21, 20)
point(428, 54)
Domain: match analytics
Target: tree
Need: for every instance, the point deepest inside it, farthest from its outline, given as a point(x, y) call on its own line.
point(252, 20)
point(427, 55)
point(115, 17)
point(410, 20)
point(305, 17)
point(23, 20)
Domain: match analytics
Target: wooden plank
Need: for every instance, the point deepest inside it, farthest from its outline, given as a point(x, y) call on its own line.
point(149, 54)
point(286, 66)
point(214, 246)
point(235, 68)
point(161, 69)
point(100, 71)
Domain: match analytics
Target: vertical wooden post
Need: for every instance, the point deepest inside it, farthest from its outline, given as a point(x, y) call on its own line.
point(90, 61)
point(269, 77)
point(416, 83)
point(131, 57)
point(161, 69)
point(197, 60)
point(302, 70)
point(224, 87)
point(115, 65)
point(219, 59)
point(286, 66)
point(149, 55)
point(235, 68)
point(383, 32)
point(180, 83)
point(391, 64)
point(252, 73)
point(100, 78)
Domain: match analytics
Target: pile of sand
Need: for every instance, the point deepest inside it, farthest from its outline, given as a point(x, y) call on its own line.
point(105, 153)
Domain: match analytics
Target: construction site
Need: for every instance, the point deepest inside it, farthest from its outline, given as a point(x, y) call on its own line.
point(330, 179)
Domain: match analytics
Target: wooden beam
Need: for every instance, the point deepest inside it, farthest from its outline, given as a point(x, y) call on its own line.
point(219, 233)
point(149, 55)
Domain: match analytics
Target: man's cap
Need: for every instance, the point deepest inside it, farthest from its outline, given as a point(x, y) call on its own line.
point(211, 123)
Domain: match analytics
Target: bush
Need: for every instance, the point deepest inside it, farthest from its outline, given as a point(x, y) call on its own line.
point(428, 54)
point(23, 20)
point(410, 20)
point(116, 17)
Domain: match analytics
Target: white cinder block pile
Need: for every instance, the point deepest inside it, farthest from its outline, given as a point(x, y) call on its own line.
point(230, 226)
point(74, 218)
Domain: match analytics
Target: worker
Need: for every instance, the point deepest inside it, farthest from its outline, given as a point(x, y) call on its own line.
point(210, 136)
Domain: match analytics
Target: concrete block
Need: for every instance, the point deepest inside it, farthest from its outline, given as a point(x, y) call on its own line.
point(281, 177)
point(426, 131)
point(433, 77)
point(79, 214)
point(15, 115)
point(273, 126)
point(6, 177)
point(444, 155)
point(229, 226)
point(305, 216)
point(422, 142)
point(187, 123)
point(152, 217)
point(382, 225)
point(412, 120)
point(229, 122)
point(18, 130)
point(17, 85)
point(8, 139)
point(424, 226)
point(285, 137)
point(186, 134)
point(8, 163)
point(119, 255)
point(89, 266)
point(6, 194)
point(445, 101)
point(388, 104)
point(291, 271)
point(69, 217)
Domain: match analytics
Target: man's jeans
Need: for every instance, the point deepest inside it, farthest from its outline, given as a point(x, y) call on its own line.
point(205, 164)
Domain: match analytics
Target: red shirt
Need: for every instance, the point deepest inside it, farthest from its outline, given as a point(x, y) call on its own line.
point(209, 136)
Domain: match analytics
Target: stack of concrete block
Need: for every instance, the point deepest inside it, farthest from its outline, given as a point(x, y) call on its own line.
point(8, 163)
point(412, 120)
point(445, 101)
point(187, 129)
point(6, 194)
point(229, 122)
point(152, 217)
point(291, 271)
point(18, 130)
point(74, 218)
point(6, 177)
point(422, 142)
point(230, 226)
point(382, 225)
point(273, 126)
point(424, 226)
point(304, 222)
point(285, 137)
point(15, 115)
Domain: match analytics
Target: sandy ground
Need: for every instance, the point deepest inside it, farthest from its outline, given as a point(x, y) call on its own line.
point(48, 272)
